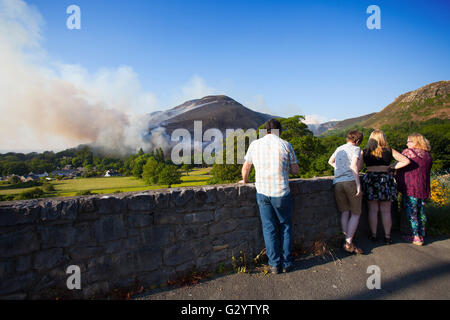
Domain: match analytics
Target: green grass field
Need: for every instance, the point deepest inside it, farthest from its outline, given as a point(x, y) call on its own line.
point(104, 185)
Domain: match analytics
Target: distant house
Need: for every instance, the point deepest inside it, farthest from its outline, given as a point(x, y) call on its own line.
point(30, 177)
point(65, 173)
point(82, 170)
point(112, 173)
point(43, 175)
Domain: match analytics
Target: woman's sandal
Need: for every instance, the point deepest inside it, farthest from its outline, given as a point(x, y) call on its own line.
point(373, 238)
point(418, 242)
point(350, 248)
point(387, 240)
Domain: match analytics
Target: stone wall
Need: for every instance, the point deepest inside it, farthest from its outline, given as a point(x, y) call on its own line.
point(150, 237)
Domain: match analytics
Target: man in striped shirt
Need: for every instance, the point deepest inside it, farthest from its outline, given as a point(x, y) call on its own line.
point(273, 159)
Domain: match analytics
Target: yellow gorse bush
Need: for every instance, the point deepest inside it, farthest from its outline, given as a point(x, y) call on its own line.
point(439, 193)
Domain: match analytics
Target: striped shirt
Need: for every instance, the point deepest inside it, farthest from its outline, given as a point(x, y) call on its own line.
point(272, 158)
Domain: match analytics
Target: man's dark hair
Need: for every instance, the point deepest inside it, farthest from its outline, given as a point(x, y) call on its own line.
point(273, 124)
point(355, 136)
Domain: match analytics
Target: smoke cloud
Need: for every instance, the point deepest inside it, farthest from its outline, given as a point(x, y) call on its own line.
point(53, 106)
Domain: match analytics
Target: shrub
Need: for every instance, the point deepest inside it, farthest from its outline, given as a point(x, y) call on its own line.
point(48, 187)
point(440, 194)
point(84, 193)
point(6, 197)
point(14, 180)
point(30, 194)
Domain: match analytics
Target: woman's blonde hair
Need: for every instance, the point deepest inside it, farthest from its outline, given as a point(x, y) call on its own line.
point(420, 142)
point(380, 145)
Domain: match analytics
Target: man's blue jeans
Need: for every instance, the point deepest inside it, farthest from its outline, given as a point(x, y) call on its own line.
point(277, 211)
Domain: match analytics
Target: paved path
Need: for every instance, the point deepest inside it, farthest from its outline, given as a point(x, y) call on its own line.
point(407, 272)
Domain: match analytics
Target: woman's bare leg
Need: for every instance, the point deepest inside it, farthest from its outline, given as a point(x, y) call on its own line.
point(385, 208)
point(344, 221)
point(373, 216)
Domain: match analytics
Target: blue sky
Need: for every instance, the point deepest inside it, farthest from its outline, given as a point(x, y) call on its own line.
point(308, 57)
point(280, 57)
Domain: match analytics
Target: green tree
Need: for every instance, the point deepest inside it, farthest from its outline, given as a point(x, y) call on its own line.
point(169, 175)
point(138, 165)
point(186, 168)
point(14, 179)
point(151, 171)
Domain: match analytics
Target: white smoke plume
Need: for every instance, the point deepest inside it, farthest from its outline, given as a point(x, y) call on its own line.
point(49, 105)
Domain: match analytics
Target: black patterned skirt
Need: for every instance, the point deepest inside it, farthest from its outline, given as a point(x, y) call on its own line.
point(379, 186)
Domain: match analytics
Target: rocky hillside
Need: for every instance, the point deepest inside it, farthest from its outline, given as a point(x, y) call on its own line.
point(427, 102)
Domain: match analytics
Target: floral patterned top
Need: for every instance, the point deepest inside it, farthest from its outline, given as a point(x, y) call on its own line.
point(414, 179)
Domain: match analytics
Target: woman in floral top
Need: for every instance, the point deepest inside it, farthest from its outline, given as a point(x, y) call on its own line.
point(413, 182)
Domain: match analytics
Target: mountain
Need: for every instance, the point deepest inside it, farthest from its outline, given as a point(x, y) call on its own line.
point(428, 102)
point(335, 125)
point(219, 112)
point(157, 117)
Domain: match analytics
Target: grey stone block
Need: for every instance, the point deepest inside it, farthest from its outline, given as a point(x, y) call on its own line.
point(110, 205)
point(200, 197)
point(59, 209)
point(87, 205)
point(142, 260)
point(97, 289)
point(19, 284)
point(222, 227)
point(168, 218)
point(245, 190)
point(156, 236)
point(226, 194)
point(6, 269)
point(23, 264)
point(98, 269)
point(22, 241)
point(199, 217)
point(121, 245)
point(140, 220)
point(54, 236)
point(79, 253)
point(141, 203)
point(84, 234)
point(211, 193)
point(162, 200)
point(236, 237)
point(242, 212)
point(248, 224)
point(182, 198)
point(185, 233)
point(19, 213)
point(110, 228)
point(49, 259)
point(179, 253)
